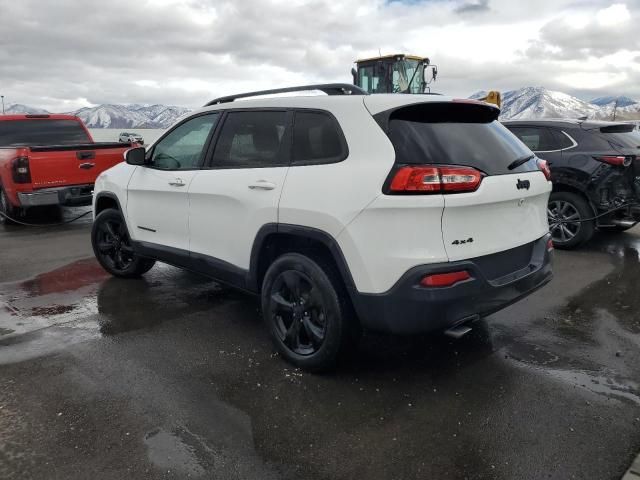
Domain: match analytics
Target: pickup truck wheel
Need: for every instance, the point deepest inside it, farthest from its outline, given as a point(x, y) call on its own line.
point(112, 246)
point(305, 316)
point(568, 215)
point(6, 209)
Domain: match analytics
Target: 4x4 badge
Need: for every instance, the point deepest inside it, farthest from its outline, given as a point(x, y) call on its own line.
point(526, 184)
point(462, 242)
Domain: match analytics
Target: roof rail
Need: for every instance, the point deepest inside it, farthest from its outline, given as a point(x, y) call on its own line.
point(328, 88)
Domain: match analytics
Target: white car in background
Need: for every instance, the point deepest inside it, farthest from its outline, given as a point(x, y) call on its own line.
point(397, 213)
point(127, 137)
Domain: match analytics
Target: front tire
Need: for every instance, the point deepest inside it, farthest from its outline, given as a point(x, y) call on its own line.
point(568, 215)
point(307, 319)
point(113, 249)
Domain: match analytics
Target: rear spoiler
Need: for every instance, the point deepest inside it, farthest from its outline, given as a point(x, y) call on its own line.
point(615, 128)
point(455, 111)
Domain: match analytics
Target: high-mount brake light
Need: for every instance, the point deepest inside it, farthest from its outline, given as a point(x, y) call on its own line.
point(445, 279)
point(430, 179)
point(543, 165)
point(617, 160)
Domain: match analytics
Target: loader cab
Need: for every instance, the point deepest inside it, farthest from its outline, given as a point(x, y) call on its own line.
point(394, 74)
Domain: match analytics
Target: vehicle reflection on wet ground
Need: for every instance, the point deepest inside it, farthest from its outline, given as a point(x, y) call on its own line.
point(173, 376)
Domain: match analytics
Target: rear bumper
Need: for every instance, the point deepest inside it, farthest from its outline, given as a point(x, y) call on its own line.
point(408, 308)
point(73, 196)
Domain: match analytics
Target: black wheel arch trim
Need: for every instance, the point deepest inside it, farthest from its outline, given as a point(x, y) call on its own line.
point(110, 196)
point(303, 232)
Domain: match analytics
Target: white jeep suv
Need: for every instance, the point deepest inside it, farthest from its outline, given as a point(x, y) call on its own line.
point(395, 213)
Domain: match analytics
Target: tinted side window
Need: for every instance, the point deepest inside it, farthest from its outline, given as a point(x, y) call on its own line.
point(317, 139)
point(183, 147)
point(251, 140)
point(537, 139)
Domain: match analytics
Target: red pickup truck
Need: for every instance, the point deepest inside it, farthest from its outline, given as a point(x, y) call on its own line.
point(50, 160)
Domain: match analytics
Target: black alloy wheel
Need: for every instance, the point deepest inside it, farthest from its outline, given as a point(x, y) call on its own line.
point(298, 312)
point(307, 311)
point(113, 248)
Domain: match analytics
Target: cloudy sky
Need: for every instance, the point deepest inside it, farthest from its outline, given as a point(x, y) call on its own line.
point(65, 54)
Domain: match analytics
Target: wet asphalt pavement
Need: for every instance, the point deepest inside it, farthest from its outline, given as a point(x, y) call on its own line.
point(173, 376)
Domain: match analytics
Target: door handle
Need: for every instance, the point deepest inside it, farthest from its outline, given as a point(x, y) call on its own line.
point(177, 183)
point(262, 185)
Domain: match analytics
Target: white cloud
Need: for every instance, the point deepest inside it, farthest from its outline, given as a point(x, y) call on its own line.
point(185, 52)
point(613, 15)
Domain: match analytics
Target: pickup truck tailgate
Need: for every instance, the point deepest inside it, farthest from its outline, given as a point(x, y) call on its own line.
point(53, 166)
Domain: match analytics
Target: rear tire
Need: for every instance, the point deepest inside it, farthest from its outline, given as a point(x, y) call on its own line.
point(309, 321)
point(113, 249)
point(6, 209)
point(566, 214)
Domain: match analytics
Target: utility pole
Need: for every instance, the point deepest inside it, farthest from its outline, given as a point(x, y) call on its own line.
point(2, 96)
point(615, 108)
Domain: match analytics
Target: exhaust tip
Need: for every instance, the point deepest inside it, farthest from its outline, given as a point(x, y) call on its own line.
point(461, 328)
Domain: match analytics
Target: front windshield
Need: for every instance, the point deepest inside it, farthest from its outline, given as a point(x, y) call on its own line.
point(407, 76)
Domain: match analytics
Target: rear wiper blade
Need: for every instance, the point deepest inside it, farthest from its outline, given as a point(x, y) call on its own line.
point(520, 161)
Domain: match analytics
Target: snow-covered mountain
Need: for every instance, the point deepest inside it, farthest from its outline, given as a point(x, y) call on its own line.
point(622, 101)
point(130, 116)
point(18, 108)
point(538, 102)
point(117, 116)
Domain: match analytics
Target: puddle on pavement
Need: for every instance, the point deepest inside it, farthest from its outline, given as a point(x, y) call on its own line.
point(596, 336)
point(617, 293)
point(81, 301)
point(608, 386)
point(174, 452)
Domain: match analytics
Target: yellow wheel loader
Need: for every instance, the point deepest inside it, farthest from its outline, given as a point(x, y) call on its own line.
point(401, 73)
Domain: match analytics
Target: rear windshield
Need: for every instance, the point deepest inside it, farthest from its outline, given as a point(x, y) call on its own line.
point(455, 134)
point(42, 132)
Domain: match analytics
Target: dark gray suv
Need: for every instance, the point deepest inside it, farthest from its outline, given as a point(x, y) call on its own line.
point(595, 170)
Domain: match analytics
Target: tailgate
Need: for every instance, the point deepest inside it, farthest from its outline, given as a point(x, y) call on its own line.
point(496, 217)
point(53, 166)
point(495, 195)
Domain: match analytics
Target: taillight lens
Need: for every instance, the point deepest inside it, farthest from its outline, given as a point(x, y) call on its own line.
point(429, 179)
point(543, 165)
point(617, 160)
point(20, 170)
point(445, 279)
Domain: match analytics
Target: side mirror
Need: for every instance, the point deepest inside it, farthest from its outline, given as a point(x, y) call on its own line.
point(136, 156)
point(354, 74)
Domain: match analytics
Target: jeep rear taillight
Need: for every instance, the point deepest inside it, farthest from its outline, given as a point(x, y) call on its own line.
point(20, 170)
point(423, 179)
point(543, 165)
